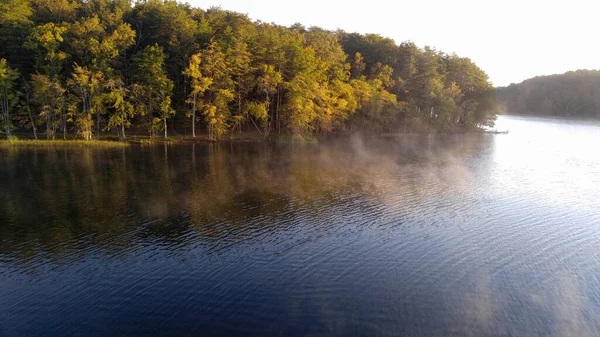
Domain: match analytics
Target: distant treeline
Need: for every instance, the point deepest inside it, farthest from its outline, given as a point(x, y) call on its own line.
point(575, 93)
point(87, 66)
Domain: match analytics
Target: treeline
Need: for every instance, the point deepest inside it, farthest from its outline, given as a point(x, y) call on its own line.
point(575, 93)
point(87, 66)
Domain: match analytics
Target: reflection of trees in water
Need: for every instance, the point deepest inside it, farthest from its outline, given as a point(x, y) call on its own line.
point(61, 201)
point(62, 205)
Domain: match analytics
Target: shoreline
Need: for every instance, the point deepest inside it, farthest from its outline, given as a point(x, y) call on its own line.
point(112, 142)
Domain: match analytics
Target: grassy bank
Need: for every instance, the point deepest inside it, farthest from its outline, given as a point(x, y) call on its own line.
point(61, 143)
point(112, 142)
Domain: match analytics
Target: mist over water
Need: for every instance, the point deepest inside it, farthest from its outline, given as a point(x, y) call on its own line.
point(446, 235)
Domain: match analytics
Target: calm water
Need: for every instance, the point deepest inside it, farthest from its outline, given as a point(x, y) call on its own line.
point(470, 235)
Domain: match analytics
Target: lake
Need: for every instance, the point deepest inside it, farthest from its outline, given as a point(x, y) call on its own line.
point(447, 235)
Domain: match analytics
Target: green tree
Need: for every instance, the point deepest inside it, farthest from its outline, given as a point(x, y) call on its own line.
point(96, 45)
point(268, 82)
point(358, 66)
point(119, 63)
point(88, 88)
point(124, 111)
point(15, 12)
point(238, 61)
point(27, 117)
point(154, 86)
point(216, 113)
point(55, 11)
point(572, 94)
point(49, 97)
point(46, 41)
point(171, 25)
point(198, 86)
point(219, 93)
point(8, 95)
point(15, 26)
point(376, 107)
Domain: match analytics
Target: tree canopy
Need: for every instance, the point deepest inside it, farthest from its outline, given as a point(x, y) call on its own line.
point(575, 93)
point(108, 65)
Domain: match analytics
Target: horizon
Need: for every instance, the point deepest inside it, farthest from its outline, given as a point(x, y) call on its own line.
point(549, 49)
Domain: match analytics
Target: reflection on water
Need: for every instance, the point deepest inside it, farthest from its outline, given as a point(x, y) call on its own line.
point(466, 235)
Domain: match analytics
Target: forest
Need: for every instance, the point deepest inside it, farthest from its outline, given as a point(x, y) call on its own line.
point(83, 68)
point(575, 93)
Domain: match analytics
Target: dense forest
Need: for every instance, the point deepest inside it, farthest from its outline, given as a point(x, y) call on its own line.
point(82, 67)
point(575, 93)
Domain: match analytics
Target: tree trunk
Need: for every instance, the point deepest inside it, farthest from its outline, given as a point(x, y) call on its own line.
point(29, 109)
point(239, 98)
point(32, 121)
point(257, 128)
point(151, 123)
point(194, 118)
point(268, 116)
point(239, 106)
point(165, 122)
point(48, 134)
point(277, 113)
point(7, 128)
point(5, 113)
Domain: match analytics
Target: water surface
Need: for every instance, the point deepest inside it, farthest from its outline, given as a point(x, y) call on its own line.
point(460, 235)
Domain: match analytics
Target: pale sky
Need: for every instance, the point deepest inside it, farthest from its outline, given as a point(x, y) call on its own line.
point(511, 40)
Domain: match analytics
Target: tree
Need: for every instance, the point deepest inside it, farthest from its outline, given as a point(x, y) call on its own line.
point(27, 118)
point(358, 66)
point(198, 85)
point(217, 112)
point(154, 86)
point(88, 86)
point(55, 11)
point(46, 41)
point(8, 96)
point(113, 64)
point(258, 111)
point(219, 93)
point(15, 12)
point(15, 26)
point(124, 111)
point(376, 107)
point(238, 61)
point(172, 26)
point(574, 93)
point(49, 97)
point(96, 45)
point(268, 82)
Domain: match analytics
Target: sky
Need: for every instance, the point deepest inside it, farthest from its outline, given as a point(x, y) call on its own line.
point(511, 40)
